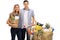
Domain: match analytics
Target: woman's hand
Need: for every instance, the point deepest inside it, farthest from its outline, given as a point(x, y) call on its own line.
point(8, 22)
point(14, 25)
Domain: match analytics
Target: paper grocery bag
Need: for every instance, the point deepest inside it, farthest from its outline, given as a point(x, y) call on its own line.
point(48, 35)
point(35, 36)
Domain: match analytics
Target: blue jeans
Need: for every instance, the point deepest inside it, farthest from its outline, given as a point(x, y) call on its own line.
point(23, 34)
point(14, 32)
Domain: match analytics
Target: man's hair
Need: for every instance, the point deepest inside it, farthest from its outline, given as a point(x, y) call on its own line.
point(25, 1)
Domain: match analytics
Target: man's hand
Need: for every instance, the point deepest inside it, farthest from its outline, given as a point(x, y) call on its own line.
point(32, 24)
point(33, 21)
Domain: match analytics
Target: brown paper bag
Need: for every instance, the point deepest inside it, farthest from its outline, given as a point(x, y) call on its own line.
point(35, 36)
point(48, 35)
point(14, 24)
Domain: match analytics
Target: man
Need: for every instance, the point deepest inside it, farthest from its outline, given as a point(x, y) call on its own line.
point(27, 15)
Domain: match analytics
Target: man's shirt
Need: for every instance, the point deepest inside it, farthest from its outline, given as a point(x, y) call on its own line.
point(30, 14)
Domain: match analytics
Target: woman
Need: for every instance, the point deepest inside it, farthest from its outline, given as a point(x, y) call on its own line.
point(13, 22)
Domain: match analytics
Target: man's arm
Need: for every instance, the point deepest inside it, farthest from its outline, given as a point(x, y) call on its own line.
point(33, 18)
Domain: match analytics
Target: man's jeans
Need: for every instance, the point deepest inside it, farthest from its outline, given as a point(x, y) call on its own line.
point(23, 34)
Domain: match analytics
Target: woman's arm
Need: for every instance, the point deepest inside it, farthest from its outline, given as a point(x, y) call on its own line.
point(8, 21)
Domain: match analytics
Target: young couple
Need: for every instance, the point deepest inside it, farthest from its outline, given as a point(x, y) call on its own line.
point(19, 21)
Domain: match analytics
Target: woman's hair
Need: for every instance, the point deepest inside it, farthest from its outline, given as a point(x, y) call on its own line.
point(14, 8)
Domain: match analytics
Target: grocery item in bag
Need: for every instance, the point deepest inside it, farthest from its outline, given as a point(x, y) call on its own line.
point(47, 32)
point(14, 20)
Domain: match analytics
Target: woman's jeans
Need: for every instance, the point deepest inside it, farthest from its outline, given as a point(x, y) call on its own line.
point(14, 32)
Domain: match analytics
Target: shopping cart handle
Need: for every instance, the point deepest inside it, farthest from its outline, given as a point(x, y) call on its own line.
point(39, 24)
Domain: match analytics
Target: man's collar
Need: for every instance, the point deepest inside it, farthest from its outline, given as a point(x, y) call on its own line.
point(24, 9)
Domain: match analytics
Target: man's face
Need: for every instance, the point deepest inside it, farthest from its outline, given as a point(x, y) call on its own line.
point(26, 4)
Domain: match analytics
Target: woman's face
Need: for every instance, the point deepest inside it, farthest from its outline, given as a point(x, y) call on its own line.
point(16, 8)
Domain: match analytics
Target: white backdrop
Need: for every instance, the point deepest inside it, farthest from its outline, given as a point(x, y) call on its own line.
point(45, 11)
